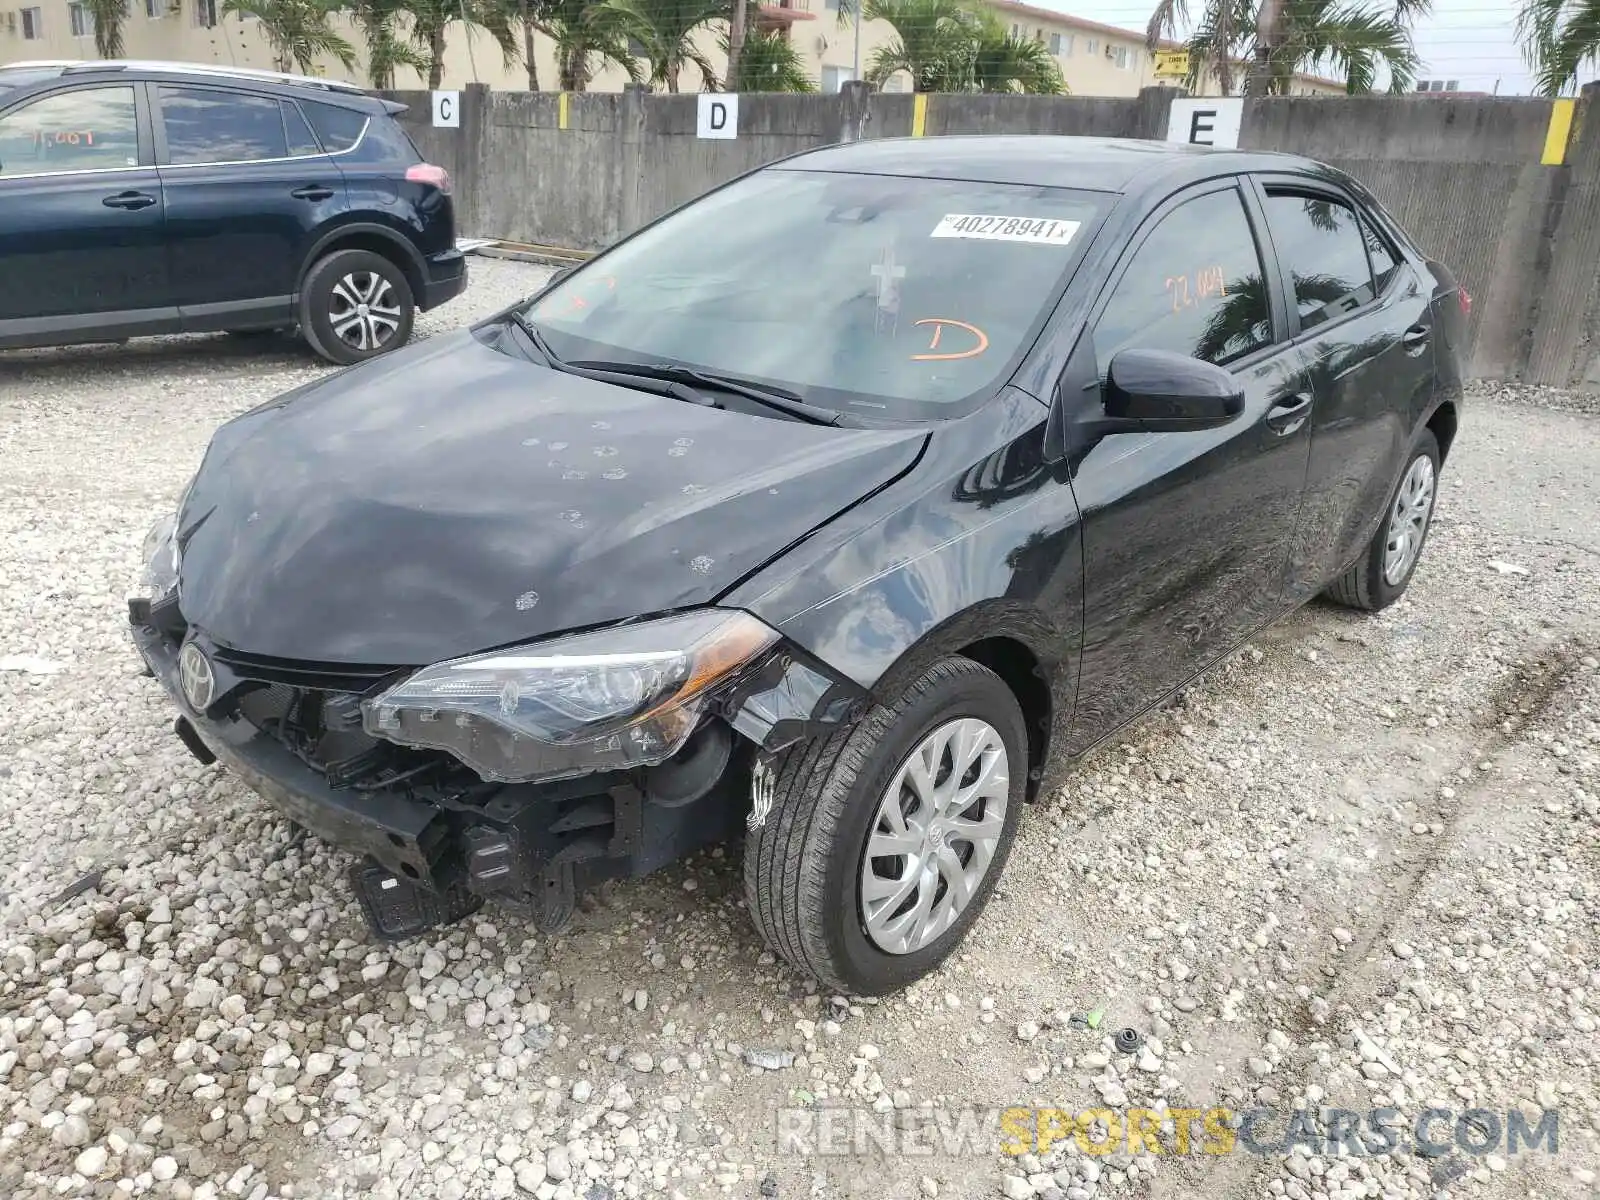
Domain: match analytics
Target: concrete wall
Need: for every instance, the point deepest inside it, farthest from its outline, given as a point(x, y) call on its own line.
point(1497, 189)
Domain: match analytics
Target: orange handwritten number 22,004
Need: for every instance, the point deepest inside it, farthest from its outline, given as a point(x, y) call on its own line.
point(1207, 282)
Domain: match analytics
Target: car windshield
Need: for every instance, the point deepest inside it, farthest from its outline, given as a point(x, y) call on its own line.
point(905, 298)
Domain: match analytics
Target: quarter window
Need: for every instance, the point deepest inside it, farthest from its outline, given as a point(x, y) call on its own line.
point(1193, 287)
point(1323, 244)
point(338, 128)
point(1383, 261)
point(91, 130)
point(208, 126)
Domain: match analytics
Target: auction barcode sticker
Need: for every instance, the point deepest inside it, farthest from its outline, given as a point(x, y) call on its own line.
point(1005, 229)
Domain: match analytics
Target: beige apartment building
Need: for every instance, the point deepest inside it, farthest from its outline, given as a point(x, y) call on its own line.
point(1095, 59)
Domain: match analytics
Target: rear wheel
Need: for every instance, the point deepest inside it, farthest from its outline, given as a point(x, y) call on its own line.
point(356, 305)
point(885, 840)
point(1385, 570)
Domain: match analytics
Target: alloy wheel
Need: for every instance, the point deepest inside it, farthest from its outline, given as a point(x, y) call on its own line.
point(362, 310)
point(934, 835)
point(1408, 522)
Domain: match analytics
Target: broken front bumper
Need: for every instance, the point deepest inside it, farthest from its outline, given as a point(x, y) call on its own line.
point(433, 853)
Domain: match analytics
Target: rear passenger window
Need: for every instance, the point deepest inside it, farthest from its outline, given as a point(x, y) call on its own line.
point(337, 128)
point(301, 140)
point(1193, 287)
point(205, 125)
point(1325, 249)
point(1383, 261)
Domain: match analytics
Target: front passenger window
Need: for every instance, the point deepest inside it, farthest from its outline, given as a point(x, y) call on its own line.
point(1326, 251)
point(1193, 287)
point(89, 130)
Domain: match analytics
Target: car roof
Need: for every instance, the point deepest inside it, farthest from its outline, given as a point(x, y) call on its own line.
point(1097, 164)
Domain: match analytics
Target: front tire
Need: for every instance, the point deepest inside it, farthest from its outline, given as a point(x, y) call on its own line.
point(885, 839)
point(1385, 570)
point(356, 305)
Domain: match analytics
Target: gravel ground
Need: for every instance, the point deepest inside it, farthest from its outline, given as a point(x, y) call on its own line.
point(1356, 866)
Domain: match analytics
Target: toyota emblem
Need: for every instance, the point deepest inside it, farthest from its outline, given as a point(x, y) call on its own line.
point(196, 678)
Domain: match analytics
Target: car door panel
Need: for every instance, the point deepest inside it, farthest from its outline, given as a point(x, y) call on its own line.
point(241, 209)
point(1371, 365)
point(1186, 536)
point(81, 239)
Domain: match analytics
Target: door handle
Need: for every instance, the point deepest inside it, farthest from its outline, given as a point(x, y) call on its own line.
point(1415, 339)
point(313, 191)
point(132, 201)
point(1286, 416)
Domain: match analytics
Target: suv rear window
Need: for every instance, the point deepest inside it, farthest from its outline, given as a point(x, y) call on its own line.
point(337, 128)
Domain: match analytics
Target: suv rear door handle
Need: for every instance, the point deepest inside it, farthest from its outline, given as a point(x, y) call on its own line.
point(314, 191)
point(132, 201)
point(1286, 416)
point(1415, 339)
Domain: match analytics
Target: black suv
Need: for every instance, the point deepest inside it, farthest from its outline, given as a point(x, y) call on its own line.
point(158, 198)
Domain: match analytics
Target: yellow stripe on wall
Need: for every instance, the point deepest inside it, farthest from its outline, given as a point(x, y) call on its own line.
point(919, 114)
point(562, 109)
point(1555, 138)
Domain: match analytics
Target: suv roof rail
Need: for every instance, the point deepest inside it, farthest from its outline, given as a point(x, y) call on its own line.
point(217, 70)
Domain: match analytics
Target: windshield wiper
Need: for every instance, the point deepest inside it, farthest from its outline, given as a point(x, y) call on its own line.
point(676, 388)
point(770, 397)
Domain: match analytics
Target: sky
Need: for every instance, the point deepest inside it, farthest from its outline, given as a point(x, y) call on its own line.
point(1468, 40)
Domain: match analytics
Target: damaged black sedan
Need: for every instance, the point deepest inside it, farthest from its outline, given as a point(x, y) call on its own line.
point(839, 507)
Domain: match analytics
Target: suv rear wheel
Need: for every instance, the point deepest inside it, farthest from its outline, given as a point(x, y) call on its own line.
point(356, 305)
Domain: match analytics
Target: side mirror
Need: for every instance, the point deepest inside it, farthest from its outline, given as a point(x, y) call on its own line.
point(1157, 391)
point(559, 276)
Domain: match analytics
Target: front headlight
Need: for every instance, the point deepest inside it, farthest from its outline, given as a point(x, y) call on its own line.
point(628, 696)
point(160, 573)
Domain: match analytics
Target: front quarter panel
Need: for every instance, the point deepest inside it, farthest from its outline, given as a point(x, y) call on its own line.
point(980, 540)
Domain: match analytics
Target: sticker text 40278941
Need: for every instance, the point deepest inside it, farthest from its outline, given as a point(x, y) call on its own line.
point(1046, 230)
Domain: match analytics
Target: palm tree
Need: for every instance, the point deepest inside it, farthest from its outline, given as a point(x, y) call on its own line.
point(431, 19)
point(525, 15)
point(932, 42)
point(736, 39)
point(299, 31)
point(387, 49)
point(1559, 38)
point(585, 35)
point(1006, 62)
point(1358, 39)
point(770, 63)
point(108, 17)
point(666, 29)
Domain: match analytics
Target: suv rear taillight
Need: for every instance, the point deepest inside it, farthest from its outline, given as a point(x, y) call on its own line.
point(1465, 299)
point(430, 174)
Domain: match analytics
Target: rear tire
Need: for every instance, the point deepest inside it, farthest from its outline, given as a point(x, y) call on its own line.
point(1391, 558)
point(816, 895)
point(356, 305)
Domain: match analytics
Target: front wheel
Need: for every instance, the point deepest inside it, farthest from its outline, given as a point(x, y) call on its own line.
point(356, 305)
point(1385, 570)
point(884, 841)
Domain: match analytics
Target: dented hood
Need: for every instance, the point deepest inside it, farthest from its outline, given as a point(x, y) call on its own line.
point(449, 499)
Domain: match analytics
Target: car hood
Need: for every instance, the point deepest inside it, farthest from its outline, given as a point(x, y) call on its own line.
point(451, 498)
